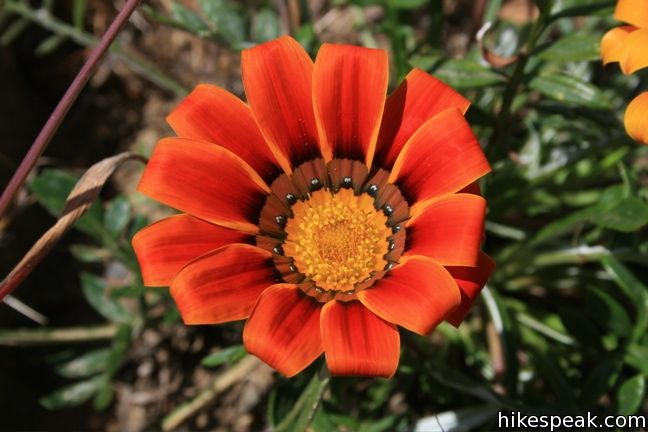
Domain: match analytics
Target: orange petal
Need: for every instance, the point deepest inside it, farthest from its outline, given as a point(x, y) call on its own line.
point(633, 54)
point(164, 247)
point(277, 77)
point(206, 181)
point(471, 280)
point(417, 295)
point(223, 285)
point(448, 230)
point(442, 157)
point(417, 99)
point(349, 89)
point(636, 118)
point(283, 330)
point(634, 12)
point(357, 342)
point(612, 43)
point(212, 114)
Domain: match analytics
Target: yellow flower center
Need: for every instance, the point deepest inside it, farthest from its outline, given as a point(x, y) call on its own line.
point(337, 239)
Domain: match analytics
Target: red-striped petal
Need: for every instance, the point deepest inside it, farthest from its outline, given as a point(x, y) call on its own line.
point(636, 118)
point(283, 329)
point(206, 181)
point(448, 230)
point(416, 100)
point(417, 294)
point(442, 157)
point(471, 280)
point(223, 285)
point(277, 77)
point(164, 247)
point(358, 342)
point(634, 12)
point(210, 113)
point(349, 89)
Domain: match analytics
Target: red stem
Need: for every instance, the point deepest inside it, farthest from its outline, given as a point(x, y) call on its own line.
point(59, 113)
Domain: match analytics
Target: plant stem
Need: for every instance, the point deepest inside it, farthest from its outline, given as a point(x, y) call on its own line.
point(44, 18)
point(41, 336)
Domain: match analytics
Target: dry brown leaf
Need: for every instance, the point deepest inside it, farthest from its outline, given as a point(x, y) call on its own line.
point(79, 200)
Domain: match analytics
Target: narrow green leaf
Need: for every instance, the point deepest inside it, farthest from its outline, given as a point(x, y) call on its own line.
point(78, 13)
point(407, 4)
point(628, 215)
point(631, 394)
point(88, 254)
point(14, 30)
point(570, 90)
point(49, 44)
point(466, 73)
point(104, 397)
point(117, 215)
point(227, 355)
point(71, 395)
point(85, 365)
point(607, 312)
point(94, 290)
point(574, 47)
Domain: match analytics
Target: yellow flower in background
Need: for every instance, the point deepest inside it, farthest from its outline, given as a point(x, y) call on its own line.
point(628, 45)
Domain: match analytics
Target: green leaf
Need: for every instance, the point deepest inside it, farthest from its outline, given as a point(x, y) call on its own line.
point(570, 90)
point(601, 380)
point(95, 292)
point(575, 47)
point(88, 254)
point(265, 26)
point(104, 397)
point(71, 395)
point(227, 355)
point(187, 18)
point(51, 189)
point(14, 30)
point(629, 215)
point(117, 215)
point(302, 413)
point(630, 395)
point(225, 20)
point(87, 364)
point(49, 44)
point(576, 8)
point(636, 291)
point(608, 312)
point(466, 73)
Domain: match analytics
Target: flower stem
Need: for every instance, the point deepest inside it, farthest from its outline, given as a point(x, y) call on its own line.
point(59, 113)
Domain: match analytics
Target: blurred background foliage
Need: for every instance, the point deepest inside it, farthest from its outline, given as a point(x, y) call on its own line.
point(560, 329)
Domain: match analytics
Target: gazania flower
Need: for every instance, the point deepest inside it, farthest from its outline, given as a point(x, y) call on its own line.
point(320, 212)
point(627, 46)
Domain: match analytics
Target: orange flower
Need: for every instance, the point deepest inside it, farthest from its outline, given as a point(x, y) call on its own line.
point(321, 213)
point(627, 46)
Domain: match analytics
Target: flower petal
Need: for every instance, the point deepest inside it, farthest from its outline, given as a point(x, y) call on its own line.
point(471, 280)
point(612, 43)
point(636, 118)
point(206, 181)
point(349, 89)
point(212, 114)
point(277, 77)
point(166, 246)
point(223, 285)
point(357, 342)
point(448, 230)
point(442, 157)
point(283, 330)
point(634, 12)
point(417, 99)
point(417, 294)
point(633, 54)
